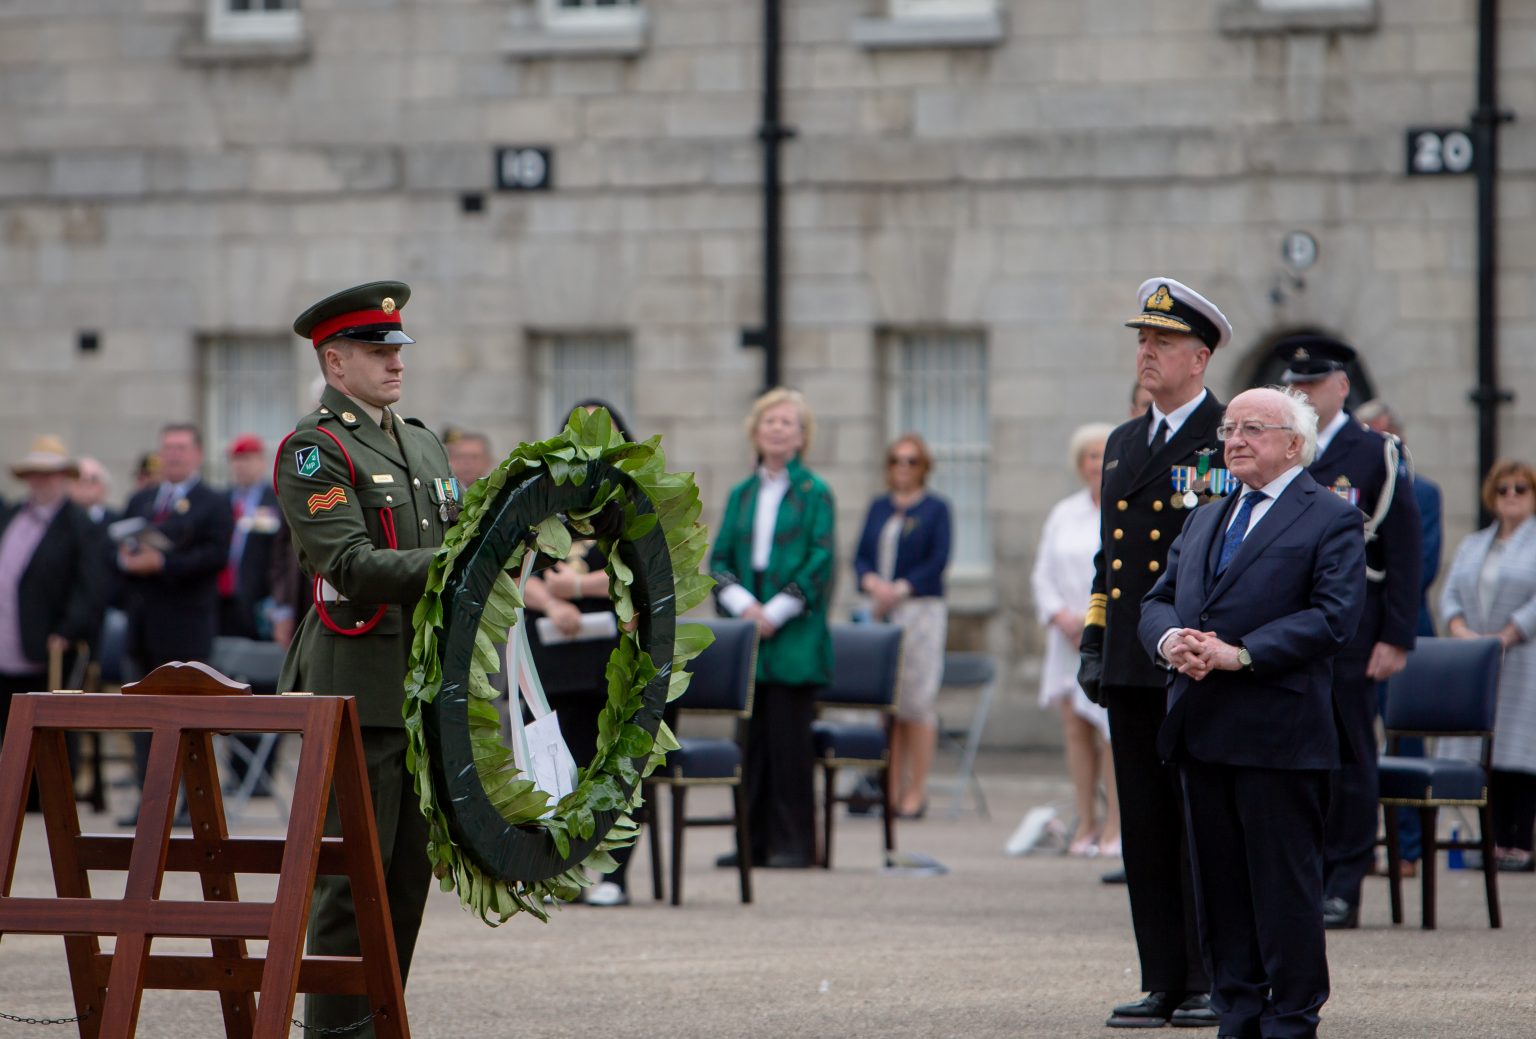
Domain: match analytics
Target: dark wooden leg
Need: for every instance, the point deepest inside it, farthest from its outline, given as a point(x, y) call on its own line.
point(679, 824)
point(1429, 819)
point(888, 810)
point(828, 806)
point(653, 824)
point(1490, 864)
point(743, 841)
point(1394, 862)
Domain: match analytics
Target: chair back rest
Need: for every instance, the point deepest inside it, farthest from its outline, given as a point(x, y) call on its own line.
point(968, 669)
point(251, 661)
point(725, 674)
point(866, 662)
point(112, 646)
point(1449, 685)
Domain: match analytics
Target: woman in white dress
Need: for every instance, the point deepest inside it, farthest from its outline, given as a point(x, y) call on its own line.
point(1062, 580)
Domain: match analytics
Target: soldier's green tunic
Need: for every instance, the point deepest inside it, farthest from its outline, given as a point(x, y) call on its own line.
point(340, 517)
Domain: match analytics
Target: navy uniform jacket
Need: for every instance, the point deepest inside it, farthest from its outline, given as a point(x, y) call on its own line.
point(1292, 596)
point(174, 615)
point(1355, 466)
point(1138, 522)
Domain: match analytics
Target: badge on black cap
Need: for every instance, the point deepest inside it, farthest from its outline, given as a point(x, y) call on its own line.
point(366, 314)
point(1311, 356)
point(1175, 307)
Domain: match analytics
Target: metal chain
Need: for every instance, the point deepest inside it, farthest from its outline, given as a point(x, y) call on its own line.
point(338, 1029)
point(45, 1020)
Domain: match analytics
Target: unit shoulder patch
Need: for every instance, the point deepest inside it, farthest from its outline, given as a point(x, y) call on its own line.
point(306, 461)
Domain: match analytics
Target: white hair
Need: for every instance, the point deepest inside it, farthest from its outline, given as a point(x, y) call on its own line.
point(1084, 437)
point(1303, 421)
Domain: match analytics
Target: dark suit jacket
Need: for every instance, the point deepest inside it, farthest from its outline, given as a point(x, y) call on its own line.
point(1138, 521)
point(253, 578)
point(174, 615)
point(64, 588)
point(1292, 596)
point(1355, 456)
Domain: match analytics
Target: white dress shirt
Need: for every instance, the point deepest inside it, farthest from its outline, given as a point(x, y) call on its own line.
point(1176, 417)
point(1327, 433)
point(771, 489)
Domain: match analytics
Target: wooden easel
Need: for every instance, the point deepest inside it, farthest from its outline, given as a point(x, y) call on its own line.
point(182, 705)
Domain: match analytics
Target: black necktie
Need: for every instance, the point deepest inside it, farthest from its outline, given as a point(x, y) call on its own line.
point(1160, 434)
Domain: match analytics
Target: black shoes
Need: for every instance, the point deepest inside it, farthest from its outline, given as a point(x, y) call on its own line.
point(1339, 915)
point(777, 860)
point(1114, 876)
point(1156, 1009)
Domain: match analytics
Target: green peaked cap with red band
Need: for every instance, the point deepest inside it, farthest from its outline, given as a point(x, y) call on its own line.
point(366, 314)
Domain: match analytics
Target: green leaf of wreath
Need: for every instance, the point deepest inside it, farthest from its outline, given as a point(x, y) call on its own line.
point(610, 782)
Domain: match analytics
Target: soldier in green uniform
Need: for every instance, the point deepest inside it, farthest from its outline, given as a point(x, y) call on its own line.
point(368, 496)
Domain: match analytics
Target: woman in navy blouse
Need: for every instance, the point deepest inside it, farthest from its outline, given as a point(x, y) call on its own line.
point(900, 566)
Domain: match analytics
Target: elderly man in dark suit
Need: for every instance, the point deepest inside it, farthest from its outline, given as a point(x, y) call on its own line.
point(1259, 593)
point(172, 591)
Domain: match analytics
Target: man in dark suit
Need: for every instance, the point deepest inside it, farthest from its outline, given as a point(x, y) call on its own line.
point(1259, 593)
point(1365, 469)
point(1157, 467)
point(245, 583)
point(52, 585)
point(172, 593)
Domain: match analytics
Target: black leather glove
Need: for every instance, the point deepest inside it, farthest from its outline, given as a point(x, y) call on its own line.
point(1090, 666)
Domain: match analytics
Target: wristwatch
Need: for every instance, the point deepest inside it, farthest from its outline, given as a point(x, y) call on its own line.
point(1244, 658)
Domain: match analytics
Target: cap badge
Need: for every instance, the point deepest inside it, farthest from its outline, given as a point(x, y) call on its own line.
point(1301, 354)
point(388, 306)
point(1162, 299)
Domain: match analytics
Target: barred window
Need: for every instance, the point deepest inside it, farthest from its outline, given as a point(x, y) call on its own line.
point(254, 21)
point(596, 14)
point(936, 385)
point(574, 366)
point(250, 384)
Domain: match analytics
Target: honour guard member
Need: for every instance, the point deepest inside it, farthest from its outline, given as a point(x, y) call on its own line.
point(1365, 468)
point(1157, 468)
point(368, 496)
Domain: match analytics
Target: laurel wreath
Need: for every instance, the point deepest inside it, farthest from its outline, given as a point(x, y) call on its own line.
point(610, 783)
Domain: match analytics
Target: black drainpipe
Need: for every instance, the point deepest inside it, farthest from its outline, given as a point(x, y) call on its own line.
point(772, 133)
point(1485, 132)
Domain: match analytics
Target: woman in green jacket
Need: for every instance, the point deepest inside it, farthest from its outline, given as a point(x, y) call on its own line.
point(773, 562)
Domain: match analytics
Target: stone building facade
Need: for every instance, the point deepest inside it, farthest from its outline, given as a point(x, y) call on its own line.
point(973, 192)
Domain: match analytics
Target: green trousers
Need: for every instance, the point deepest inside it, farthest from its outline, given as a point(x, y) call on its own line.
point(407, 878)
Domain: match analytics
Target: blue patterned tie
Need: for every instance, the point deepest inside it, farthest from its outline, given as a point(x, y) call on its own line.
point(1238, 530)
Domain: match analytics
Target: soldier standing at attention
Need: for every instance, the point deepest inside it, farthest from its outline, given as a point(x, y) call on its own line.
point(368, 497)
point(1364, 468)
point(1157, 467)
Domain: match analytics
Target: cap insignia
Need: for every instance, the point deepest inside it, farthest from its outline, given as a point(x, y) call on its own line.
point(388, 306)
point(1162, 299)
point(347, 416)
point(1301, 354)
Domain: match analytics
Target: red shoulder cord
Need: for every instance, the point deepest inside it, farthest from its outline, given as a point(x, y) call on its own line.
point(386, 518)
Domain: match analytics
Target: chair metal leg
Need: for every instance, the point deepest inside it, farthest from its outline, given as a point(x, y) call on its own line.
point(828, 805)
point(1490, 865)
point(888, 813)
point(743, 842)
point(653, 824)
point(679, 824)
point(1394, 862)
point(967, 773)
point(1429, 820)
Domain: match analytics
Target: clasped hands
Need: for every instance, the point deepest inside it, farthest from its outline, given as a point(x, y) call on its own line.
point(1198, 653)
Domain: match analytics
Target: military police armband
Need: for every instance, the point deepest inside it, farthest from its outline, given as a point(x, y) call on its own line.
point(1098, 606)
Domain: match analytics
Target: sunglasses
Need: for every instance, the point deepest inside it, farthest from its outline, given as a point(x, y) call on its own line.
point(1513, 490)
point(903, 460)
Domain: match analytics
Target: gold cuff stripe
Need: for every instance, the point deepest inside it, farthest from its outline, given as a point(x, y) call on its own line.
point(1097, 614)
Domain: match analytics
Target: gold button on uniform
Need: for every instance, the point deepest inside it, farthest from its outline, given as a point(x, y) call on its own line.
point(1119, 533)
point(1114, 593)
point(416, 482)
point(1116, 565)
point(1157, 505)
point(1156, 535)
point(423, 524)
point(1122, 504)
point(1154, 566)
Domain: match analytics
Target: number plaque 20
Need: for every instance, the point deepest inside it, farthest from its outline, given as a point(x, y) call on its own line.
point(1440, 152)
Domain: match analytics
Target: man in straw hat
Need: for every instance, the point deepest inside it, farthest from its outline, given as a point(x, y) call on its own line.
point(52, 583)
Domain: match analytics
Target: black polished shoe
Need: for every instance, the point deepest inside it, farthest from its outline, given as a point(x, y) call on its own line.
point(729, 861)
point(1150, 1011)
point(1195, 1012)
point(1339, 915)
point(1114, 876)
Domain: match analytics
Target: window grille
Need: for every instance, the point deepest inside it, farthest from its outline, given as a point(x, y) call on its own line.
point(249, 385)
point(575, 366)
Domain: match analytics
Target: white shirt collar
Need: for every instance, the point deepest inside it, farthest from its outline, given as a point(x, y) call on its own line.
point(1327, 433)
point(1276, 487)
point(1178, 415)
